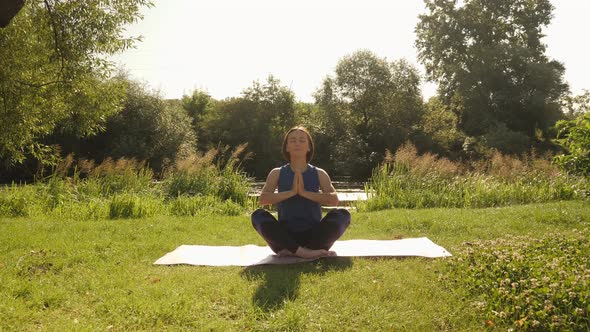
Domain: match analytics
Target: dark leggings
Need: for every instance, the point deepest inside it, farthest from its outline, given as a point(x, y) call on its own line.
point(321, 236)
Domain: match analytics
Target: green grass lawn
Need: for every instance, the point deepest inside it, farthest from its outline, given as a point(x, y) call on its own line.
point(98, 275)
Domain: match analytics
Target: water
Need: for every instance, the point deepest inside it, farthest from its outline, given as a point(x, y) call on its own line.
point(348, 192)
point(341, 187)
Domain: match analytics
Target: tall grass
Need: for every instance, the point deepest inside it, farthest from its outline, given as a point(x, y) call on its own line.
point(133, 206)
point(209, 174)
point(191, 206)
point(409, 180)
point(15, 200)
point(126, 188)
point(192, 175)
point(116, 176)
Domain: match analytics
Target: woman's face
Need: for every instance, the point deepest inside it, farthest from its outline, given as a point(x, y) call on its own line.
point(297, 144)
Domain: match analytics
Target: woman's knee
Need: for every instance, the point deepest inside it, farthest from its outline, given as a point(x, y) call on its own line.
point(340, 215)
point(344, 212)
point(259, 216)
point(346, 217)
point(255, 216)
point(258, 212)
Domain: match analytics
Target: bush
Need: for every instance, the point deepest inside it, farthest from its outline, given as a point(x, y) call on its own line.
point(532, 284)
point(574, 136)
point(146, 129)
point(503, 139)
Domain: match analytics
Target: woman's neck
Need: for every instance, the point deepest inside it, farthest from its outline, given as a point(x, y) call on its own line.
point(298, 164)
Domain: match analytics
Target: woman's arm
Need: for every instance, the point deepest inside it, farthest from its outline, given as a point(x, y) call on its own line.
point(268, 195)
point(328, 195)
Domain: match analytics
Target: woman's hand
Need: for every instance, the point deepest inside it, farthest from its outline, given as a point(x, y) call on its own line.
point(298, 179)
point(295, 186)
point(328, 195)
point(268, 195)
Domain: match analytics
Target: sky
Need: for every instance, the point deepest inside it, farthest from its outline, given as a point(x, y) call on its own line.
point(223, 46)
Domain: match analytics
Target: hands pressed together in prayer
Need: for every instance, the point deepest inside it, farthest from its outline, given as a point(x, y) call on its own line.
point(298, 188)
point(298, 184)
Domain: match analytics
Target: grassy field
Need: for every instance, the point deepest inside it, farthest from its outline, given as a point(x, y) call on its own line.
point(98, 274)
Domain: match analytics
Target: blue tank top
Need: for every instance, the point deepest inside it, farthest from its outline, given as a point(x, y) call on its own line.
point(299, 213)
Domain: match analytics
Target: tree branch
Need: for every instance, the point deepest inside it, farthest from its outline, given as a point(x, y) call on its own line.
point(33, 85)
point(55, 33)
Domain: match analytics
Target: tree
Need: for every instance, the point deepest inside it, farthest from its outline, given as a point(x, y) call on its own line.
point(312, 117)
point(575, 105)
point(490, 64)
point(147, 129)
point(274, 102)
point(54, 71)
point(441, 134)
point(199, 106)
point(369, 106)
point(260, 117)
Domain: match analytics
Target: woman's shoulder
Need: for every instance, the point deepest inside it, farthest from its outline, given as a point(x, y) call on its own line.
point(316, 169)
point(274, 172)
point(278, 170)
point(322, 174)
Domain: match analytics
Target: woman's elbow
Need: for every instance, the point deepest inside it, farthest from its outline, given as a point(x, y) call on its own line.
point(334, 200)
point(263, 200)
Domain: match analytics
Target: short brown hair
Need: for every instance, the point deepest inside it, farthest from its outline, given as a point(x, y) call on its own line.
point(309, 154)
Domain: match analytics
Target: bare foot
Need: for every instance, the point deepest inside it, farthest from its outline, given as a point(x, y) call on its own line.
point(313, 253)
point(284, 253)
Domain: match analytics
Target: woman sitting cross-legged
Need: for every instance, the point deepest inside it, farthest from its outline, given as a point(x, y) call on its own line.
point(300, 229)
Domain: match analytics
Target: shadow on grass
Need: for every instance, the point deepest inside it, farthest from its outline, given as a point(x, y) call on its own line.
point(281, 282)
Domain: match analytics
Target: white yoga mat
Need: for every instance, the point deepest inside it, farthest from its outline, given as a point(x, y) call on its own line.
point(249, 255)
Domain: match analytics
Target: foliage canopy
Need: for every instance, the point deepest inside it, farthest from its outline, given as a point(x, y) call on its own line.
point(55, 74)
point(489, 61)
point(370, 105)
